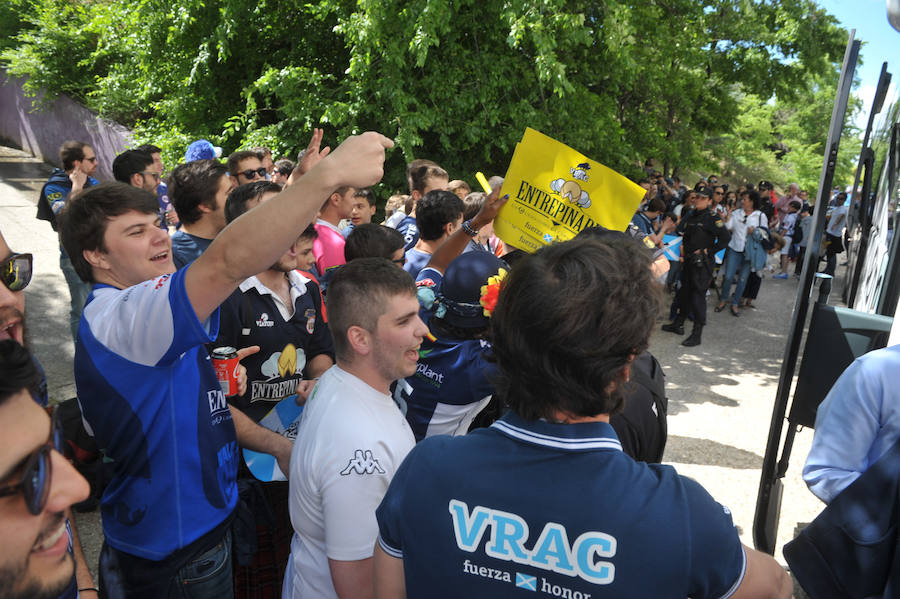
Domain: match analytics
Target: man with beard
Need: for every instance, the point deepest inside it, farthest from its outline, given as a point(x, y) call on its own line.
point(79, 162)
point(18, 373)
point(37, 486)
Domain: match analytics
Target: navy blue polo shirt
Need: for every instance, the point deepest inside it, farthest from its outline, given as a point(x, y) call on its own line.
point(525, 507)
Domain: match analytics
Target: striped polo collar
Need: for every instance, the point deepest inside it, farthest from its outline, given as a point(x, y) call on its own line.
point(583, 436)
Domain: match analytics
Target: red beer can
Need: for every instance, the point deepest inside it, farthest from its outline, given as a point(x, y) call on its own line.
point(225, 361)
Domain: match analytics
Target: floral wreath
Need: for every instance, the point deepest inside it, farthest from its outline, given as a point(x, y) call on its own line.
point(487, 302)
point(491, 291)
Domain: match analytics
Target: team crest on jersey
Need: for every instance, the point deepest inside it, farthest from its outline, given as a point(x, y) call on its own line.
point(264, 322)
point(310, 316)
point(280, 370)
point(363, 462)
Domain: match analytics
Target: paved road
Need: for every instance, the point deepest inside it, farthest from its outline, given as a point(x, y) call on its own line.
point(720, 393)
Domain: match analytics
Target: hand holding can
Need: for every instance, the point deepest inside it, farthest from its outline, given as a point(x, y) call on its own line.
point(226, 362)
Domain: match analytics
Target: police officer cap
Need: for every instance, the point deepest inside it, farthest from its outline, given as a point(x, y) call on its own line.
point(461, 288)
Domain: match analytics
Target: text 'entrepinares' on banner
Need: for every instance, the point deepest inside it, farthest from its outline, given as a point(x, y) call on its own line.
point(555, 192)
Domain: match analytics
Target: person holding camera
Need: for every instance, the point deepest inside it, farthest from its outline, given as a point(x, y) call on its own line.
point(704, 235)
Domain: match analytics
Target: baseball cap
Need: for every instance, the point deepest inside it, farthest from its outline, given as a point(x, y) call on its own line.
point(202, 150)
point(461, 288)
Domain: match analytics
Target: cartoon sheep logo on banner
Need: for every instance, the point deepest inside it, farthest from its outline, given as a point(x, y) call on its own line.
point(571, 190)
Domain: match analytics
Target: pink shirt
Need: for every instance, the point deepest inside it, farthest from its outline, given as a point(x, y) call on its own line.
point(328, 248)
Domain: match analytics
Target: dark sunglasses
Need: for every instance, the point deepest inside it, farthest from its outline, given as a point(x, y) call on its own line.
point(35, 481)
point(251, 174)
point(16, 271)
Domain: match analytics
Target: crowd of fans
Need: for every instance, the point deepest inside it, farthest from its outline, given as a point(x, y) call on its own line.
point(496, 389)
point(723, 238)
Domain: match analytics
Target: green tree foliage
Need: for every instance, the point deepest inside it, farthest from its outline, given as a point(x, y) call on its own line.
point(783, 139)
point(453, 80)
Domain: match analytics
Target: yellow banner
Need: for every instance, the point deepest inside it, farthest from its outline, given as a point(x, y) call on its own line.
point(555, 192)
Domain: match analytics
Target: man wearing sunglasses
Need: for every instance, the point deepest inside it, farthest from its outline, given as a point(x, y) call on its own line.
point(15, 270)
point(37, 486)
point(146, 384)
point(135, 168)
point(15, 275)
point(79, 162)
point(246, 167)
point(283, 170)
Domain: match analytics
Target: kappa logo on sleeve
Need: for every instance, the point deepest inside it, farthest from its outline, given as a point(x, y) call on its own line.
point(363, 462)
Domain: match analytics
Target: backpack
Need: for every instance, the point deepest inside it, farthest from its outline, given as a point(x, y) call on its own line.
point(44, 210)
point(646, 372)
point(798, 232)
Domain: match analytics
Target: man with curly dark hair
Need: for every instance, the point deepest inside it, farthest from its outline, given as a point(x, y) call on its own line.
point(545, 499)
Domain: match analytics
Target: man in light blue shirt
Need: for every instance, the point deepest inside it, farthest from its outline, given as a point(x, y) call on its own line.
point(855, 425)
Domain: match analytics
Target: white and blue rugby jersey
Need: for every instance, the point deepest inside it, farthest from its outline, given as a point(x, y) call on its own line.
point(150, 396)
point(523, 508)
point(450, 386)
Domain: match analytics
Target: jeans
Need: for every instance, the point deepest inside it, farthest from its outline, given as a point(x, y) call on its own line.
point(830, 263)
point(78, 291)
point(206, 576)
point(733, 262)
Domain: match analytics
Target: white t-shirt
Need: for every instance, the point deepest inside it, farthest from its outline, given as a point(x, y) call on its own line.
point(837, 222)
point(350, 442)
point(738, 223)
point(788, 223)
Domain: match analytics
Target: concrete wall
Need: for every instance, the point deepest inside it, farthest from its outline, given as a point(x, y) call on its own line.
point(41, 132)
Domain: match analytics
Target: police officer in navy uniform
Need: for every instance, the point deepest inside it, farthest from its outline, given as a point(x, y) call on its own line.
point(704, 235)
